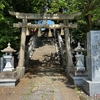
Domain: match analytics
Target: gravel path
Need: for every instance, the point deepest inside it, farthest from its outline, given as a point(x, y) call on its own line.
point(48, 81)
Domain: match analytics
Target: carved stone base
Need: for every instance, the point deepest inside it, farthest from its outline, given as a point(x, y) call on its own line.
point(9, 82)
point(77, 80)
point(9, 78)
point(81, 73)
point(91, 88)
point(8, 75)
point(8, 69)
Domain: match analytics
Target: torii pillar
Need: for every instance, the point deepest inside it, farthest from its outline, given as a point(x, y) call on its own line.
point(20, 68)
point(68, 49)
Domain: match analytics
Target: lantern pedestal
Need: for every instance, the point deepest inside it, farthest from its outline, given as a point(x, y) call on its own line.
point(9, 78)
point(8, 66)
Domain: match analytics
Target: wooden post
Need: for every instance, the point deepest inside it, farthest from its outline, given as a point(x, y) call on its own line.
point(21, 68)
point(68, 49)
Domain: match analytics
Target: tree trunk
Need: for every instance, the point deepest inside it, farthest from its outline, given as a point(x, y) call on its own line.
point(88, 20)
point(89, 17)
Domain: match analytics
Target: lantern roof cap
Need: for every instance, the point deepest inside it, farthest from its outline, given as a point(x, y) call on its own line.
point(8, 49)
point(79, 48)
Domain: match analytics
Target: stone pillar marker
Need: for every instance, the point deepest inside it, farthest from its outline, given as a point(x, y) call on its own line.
point(93, 54)
point(92, 84)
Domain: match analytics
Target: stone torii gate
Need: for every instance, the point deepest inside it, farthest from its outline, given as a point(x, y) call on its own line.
point(24, 25)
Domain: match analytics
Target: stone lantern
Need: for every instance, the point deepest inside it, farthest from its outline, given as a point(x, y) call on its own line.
point(80, 72)
point(79, 58)
point(8, 57)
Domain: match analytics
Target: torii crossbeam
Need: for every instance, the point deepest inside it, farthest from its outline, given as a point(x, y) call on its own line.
point(44, 16)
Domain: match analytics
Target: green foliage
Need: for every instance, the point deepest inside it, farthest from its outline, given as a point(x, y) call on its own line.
point(7, 32)
point(29, 6)
point(1, 10)
point(56, 6)
point(89, 8)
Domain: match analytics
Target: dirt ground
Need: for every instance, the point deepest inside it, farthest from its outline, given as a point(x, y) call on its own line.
point(42, 72)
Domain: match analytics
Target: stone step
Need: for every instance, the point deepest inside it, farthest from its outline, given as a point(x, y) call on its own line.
point(9, 82)
point(9, 78)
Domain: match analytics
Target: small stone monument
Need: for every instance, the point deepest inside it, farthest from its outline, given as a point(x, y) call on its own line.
point(9, 76)
point(92, 84)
